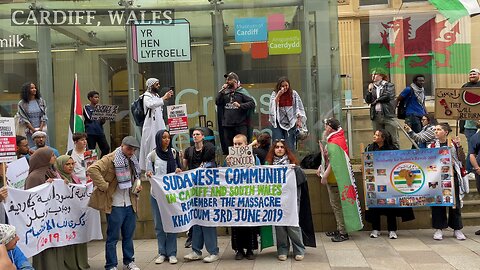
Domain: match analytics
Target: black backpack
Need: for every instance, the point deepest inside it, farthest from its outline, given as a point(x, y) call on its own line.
point(138, 113)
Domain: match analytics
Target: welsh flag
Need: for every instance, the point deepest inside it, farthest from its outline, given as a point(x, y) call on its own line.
point(456, 9)
point(419, 44)
point(342, 169)
point(76, 119)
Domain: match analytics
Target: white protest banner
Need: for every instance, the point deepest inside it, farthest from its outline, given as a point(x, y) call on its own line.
point(52, 215)
point(177, 118)
point(105, 112)
point(17, 173)
point(7, 139)
point(241, 156)
point(254, 196)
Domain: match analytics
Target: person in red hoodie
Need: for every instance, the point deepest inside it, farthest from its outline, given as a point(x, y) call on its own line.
point(333, 134)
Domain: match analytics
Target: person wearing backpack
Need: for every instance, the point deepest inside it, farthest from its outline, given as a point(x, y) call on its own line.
point(153, 108)
point(414, 99)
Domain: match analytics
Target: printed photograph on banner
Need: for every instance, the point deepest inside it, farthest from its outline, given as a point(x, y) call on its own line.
point(253, 196)
point(409, 178)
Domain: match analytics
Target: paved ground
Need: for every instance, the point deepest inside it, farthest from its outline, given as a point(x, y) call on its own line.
point(414, 249)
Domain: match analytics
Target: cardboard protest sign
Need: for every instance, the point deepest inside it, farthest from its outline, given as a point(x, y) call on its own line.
point(177, 118)
point(7, 139)
point(255, 196)
point(409, 178)
point(17, 173)
point(105, 112)
point(457, 103)
point(240, 156)
point(52, 215)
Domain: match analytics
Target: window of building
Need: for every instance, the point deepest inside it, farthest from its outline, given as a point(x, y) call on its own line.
point(373, 2)
point(377, 58)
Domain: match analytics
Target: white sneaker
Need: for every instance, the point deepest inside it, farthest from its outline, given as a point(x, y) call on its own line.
point(299, 257)
point(374, 234)
point(160, 259)
point(282, 257)
point(131, 266)
point(459, 235)
point(172, 259)
point(438, 235)
point(471, 176)
point(113, 268)
point(392, 235)
point(211, 258)
point(192, 256)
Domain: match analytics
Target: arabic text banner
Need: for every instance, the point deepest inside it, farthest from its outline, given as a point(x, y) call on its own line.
point(409, 178)
point(253, 196)
point(52, 215)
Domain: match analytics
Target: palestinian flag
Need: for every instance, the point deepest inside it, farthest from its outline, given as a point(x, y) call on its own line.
point(76, 119)
point(419, 44)
point(342, 169)
point(456, 9)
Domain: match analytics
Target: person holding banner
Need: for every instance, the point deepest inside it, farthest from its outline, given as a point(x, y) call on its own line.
point(163, 160)
point(244, 239)
point(32, 111)
point(94, 128)
point(439, 215)
point(382, 140)
point(8, 241)
point(76, 256)
point(286, 112)
point(42, 170)
point(116, 178)
point(201, 154)
point(280, 154)
point(153, 107)
point(427, 135)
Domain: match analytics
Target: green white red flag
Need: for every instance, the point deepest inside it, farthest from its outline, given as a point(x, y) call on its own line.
point(456, 9)
point(342, 169)
point(76, 119)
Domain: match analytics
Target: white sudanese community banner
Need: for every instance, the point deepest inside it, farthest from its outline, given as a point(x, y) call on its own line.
point(247, 196)
point(52, 215)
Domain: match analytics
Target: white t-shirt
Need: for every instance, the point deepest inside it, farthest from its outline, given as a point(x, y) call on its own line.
point(80, 169)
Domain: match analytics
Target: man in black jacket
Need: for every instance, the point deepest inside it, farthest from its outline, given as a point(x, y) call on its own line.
point(234, 105)
point(381, 97)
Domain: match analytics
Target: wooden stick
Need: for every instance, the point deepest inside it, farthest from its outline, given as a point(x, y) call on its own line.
point(4, 174)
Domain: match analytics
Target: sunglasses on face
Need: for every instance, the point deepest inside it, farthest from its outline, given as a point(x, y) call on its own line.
point(280, 140)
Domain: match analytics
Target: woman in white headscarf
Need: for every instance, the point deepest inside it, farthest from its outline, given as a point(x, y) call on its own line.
point(153, 107)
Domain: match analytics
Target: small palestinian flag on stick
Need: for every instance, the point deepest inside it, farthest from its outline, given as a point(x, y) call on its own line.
point(76, 120)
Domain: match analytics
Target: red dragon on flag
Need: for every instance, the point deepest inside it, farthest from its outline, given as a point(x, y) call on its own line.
point(430, 39)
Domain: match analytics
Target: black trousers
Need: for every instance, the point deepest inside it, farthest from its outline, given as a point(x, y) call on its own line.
point(230, 132)
point(439, 214)
point(375, 219)
point(93, 140)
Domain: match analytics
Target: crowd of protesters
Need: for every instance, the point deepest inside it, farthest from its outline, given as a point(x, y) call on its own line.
point(116, 175)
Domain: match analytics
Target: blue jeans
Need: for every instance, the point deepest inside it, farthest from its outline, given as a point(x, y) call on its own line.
point(204, 235)
point(289, 136)
point(285, 234)
point(469, 133)
point(167, 242)
point(121, 219)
